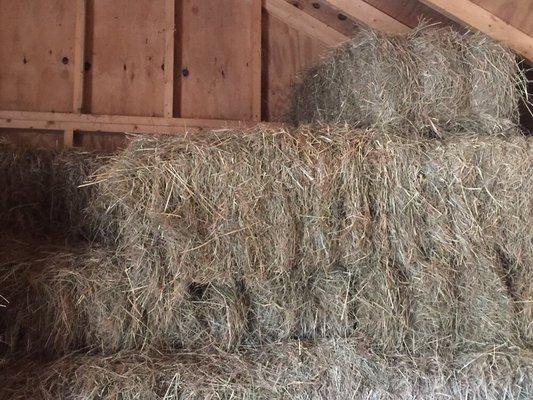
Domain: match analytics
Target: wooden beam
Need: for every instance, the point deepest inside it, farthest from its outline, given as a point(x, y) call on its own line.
point(79, 55)
point(111, 123)
point(477, 17)
point(326, 13)
point(370, 16)
point(303, 22)
point(170, 29)
point(256, 59)
point(68, 138)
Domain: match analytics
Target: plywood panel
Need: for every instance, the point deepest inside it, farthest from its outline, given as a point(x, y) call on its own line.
point(36, 54)
point(518, 13)
point(219, 64)
point(286, 56)
point(32, 138)
point(125, 50)
point(101, 142)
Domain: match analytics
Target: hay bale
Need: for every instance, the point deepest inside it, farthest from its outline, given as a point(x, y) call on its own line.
point(443, 77)
point(498, 85)
point(41, 190)
point(83, 299)
point(206, 205)
point(432, 81)
point(426, 220)
point(335, 369)
point(360, 84)
point(416, 229)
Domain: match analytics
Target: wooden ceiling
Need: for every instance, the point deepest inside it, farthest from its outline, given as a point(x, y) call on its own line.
point(334, 21)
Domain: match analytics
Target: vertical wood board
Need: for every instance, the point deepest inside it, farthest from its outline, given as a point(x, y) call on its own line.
point(219, 63)
point(287, 54)
point(37, 55)
point(125, 50)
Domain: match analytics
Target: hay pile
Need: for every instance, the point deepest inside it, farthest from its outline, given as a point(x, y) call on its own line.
point(431, 81)
point(423, 245)
point(40, 189)
point(226, 246)
point(80, 298)
point(333, 369)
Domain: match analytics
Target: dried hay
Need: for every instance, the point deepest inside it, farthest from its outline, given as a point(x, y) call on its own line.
point(430, 238)
point(40, 189)
point(82, 299)
point(433, 205)
point(432, 81)
point(335, 369)
point(234, 237)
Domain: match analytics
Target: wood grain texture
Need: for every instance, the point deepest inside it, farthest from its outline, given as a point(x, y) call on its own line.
point(370, 16)
point(518, 13)
point(79, 55)
point(218, 60)
point(45, 139)
point(303, 22)
point(478, 18)
point(410, 12)
point(36, 54)
point(324, 12)
point(111, 123)
point(169, 61)
point(102, 142)
point(287, 54)
point(126, 50)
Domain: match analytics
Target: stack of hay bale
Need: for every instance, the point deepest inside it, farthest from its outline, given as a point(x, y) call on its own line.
point(312, 262)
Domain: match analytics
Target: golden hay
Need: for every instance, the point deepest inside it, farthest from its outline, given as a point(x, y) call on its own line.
point(235, 237)
point(40, 189)
point(433, 80)
point(334, 369)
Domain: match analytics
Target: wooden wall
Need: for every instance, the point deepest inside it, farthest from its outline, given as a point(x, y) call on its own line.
point(165, 66)
point(287, 55)
point(36, 50)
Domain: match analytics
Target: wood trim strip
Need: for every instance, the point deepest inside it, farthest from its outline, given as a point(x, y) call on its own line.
point(79, 55)
point(170, 30)
point(113, 123)
point(256, 58)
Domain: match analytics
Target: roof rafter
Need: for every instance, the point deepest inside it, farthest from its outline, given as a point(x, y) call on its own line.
point(469, 13)
point(304, 22)
point(370, 16)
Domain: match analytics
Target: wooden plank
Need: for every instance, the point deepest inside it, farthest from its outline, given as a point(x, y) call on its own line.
point(288, 53)
point(79, 55)
point(370, 16)
point(256, 31)
point(68, 138)
point(324, 12)
point(304, 22)
point(126, 50)
point(219, 60)
point(518, 13)
point(47, 139)
point(477, 17)
point(111, 123)
point(170, 30)
point(410, 12)
point(36, 54)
